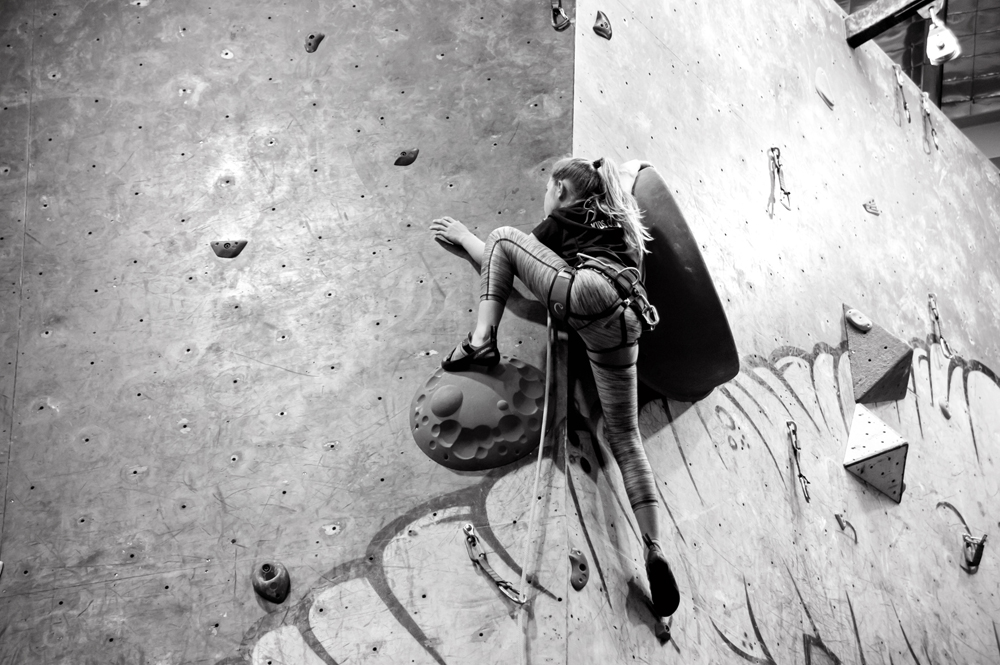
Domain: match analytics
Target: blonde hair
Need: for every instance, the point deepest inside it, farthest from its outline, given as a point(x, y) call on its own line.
point(598, 185)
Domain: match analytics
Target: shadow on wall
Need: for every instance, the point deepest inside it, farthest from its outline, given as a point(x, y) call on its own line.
point(382, 581)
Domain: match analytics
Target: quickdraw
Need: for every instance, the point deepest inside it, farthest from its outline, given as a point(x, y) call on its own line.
point(793, 435)
point(774, 161)
point(478, 556)
point(932, 304)
point(929, 131)
point(902, 95)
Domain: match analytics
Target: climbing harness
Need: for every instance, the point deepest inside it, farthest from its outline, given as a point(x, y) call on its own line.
point(945, 347)
point(902, 95)
point(774, 160)
point(793, 435)
point(627, 283)
point(478, 556)
point(929, 132)
point(559, 19)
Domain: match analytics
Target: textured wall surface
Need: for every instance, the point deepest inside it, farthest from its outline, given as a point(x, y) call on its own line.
point(177, 417)
point(172, 419)
point(703, 90)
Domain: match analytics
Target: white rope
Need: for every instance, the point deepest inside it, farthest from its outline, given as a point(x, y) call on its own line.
point(534, 491)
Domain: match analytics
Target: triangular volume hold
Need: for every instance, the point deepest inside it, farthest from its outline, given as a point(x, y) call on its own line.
point(876, 454)
point(880, 364)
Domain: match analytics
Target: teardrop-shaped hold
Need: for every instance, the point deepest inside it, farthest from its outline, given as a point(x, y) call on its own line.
point(603, 25)
point(313, 42)
point(580, 570)
point(271, 582)
point(407, 157)
point(228, 249)
point(858, 320)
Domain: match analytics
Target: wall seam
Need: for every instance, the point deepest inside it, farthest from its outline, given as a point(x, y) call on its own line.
point(20, 297)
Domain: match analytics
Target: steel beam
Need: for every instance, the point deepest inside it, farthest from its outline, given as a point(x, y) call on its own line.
point(878, 17)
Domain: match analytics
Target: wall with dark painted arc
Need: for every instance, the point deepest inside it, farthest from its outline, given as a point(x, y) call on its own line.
point(171, 418)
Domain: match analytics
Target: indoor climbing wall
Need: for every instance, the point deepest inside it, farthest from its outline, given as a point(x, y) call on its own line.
point(172, 418)
point(782, 554)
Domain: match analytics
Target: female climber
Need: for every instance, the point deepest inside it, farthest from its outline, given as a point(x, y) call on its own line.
point(574, 261)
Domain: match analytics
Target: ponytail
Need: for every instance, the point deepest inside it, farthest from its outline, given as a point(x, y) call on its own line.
point(598, 184)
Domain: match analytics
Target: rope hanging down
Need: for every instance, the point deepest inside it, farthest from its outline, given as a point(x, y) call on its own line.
point(472, 541)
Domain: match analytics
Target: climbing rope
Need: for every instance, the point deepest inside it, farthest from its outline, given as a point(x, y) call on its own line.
point(534, 492)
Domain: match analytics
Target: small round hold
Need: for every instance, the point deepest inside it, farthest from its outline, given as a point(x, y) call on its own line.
point(407, 157)
point(227, 54)
point(312, 43)
point(271, 582)
point(858, 320)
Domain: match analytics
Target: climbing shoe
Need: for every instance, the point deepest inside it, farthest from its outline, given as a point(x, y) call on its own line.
point(486, 356)
point(662, 586)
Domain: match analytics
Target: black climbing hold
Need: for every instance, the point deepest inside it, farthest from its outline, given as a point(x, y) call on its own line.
point(228, 249)
point(559, 19)
point(603, 25)
point(581, 571)
point(313, 42)
point(407, 157)
point(271, 582)
point(662, 630)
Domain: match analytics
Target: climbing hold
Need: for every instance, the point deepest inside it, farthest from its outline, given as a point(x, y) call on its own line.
point(473, 421)
point(228, 249)
point(407, 157)
point(871, 207)
point(603, 26)
point(858, 320)
point(973, 552)
point(876, 454)
point(271, 582)
point(880, 364)
point(823, 87)
point(227, 54)
point(312, 43)
point(662, 629)
point(581, 571)
point(559, 19)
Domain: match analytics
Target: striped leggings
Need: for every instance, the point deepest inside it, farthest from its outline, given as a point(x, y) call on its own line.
point(511, 252)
